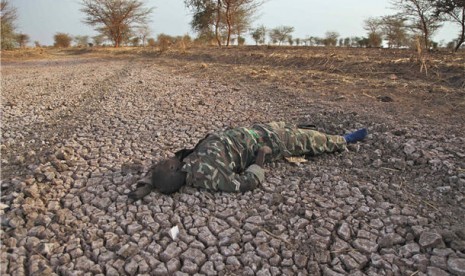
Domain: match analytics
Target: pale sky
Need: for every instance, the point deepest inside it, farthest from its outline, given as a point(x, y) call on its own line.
point(41, 19)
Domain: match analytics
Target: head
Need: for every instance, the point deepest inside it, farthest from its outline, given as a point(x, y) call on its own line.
point(167, 176)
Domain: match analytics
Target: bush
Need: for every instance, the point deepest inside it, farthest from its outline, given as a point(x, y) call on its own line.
point(164, 42)
point(62, 40)
point(151, 42)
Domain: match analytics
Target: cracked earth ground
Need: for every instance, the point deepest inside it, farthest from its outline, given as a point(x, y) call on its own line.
point(79, 130)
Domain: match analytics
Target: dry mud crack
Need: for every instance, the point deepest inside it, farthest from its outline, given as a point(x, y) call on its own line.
point(76, 135)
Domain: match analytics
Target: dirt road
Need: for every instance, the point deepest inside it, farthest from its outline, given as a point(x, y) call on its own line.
point(79, 130)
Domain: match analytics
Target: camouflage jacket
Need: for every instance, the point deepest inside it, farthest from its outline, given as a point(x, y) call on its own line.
point(225, 161)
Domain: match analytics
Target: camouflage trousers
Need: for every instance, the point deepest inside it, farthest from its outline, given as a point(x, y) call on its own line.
point(288, 140)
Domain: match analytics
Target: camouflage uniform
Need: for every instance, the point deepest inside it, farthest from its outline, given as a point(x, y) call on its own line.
point(225, 161)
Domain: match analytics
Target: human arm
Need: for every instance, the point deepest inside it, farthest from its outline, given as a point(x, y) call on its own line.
point(255, 174)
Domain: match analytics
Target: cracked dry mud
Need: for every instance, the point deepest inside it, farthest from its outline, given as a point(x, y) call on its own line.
point(77, 132)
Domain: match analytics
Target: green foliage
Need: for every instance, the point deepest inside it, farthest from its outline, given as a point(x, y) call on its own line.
point(135, 41)
point(331, 38)
point(453, 11)
point(280, 34)
point(8, 16)
point(115, 19)
point(223, 18)
point(22, 40)
point(81, 40)
point(394, 30)
point(98, 40)
point(259, 35)
point(374, 40)
point(420, 17)
point(240, 40)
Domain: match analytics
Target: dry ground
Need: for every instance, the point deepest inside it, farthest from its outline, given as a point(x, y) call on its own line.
point(80, 126)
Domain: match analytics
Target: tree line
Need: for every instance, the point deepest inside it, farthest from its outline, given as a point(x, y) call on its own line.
point(226, 22)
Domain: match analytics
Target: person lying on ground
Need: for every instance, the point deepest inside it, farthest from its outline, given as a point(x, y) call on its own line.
point(233, 160)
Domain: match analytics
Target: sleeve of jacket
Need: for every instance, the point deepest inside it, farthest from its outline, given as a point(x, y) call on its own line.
point(246, 181)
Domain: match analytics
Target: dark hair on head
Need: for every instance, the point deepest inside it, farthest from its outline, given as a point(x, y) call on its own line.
point(167, 176)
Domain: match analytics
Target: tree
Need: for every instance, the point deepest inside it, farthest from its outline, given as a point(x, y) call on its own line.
point(135, 41)
point(373, 26)
point(453, 11)
point(394, 30)
point(281, 34)
point(22, 40)
point(223, 18)
point(420, 15)
point(347, 42)
point(238, 15)
point(98, 40)
point(8, 16)
point(62, 40)
point(204, 16)
point(290, 40)
point(81, 40)
point(259, 35)
point(143, 32)
point(115, 18)
point(151, 42)
point(331, 38)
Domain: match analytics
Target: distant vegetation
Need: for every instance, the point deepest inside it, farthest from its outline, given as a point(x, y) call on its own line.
point(227, 22)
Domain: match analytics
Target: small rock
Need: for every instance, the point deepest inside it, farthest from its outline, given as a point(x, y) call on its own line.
point(365, 246)
point(171, 251)
point(83, 263)
point(208, 269)
point(128, 250)
point(409, 149)
point(434, 271)
point(265, 251)
point(456, 266)
point(430, 239)
point(131, 267)
point(409, 250)
point(194, 255)
point(344, 231)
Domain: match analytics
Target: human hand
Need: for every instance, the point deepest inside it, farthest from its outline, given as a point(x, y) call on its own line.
point(262, 152)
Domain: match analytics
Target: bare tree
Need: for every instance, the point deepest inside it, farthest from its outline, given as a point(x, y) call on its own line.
point(115, 18)
point(143, 32)
point(8, 16)
point(420, 15)
point(453, 11)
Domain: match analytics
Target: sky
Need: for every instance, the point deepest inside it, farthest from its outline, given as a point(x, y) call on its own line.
point(41, 19)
